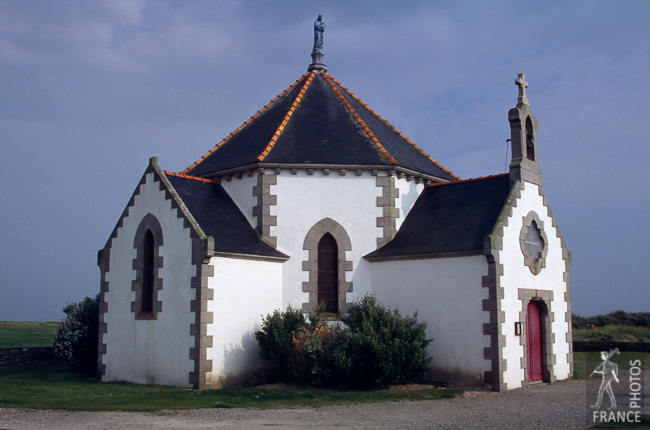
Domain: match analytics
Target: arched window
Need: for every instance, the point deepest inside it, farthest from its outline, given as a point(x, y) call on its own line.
point(147, 264)
point(328, 274)
point(530, 140)
point(327, 244)
point(148, 273)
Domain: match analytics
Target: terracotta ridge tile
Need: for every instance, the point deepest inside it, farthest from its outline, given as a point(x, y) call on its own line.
point(248, 121)
point(286, 118)
point(359, 121)
point(195, 178)
point(395, 129)
point(462, 181)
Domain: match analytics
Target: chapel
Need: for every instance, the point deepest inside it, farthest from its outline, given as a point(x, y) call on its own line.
point(316, 198)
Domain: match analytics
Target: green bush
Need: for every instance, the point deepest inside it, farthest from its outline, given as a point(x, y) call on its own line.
point(311, 357)
point(637, 319)
point(615, 333)
point(379, 347)
point(276, 338)
point(77, 336)
point(376, 348)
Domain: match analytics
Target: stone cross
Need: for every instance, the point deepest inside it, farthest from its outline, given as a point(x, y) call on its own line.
point(522, 84)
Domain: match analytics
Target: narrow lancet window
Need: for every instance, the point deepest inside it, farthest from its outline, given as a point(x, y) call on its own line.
point(328, 274)
point(148, 273)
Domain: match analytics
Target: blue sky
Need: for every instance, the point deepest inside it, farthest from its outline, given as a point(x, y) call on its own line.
point(90, 90)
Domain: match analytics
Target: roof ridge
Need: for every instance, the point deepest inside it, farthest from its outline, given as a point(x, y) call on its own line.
point(248, 121)
point(358, 119)
point(287, 117)
point(462, 181)
point(394, 129)
point(195, 178)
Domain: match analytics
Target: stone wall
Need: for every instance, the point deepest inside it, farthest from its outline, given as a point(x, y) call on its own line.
point(606, 346)
point(28, 356)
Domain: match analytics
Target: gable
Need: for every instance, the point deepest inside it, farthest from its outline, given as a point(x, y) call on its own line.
point(449, 218)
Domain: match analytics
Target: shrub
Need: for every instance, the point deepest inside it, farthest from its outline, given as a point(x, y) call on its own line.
point(76, 338)
point(379, 347)
point(311, 354)
point(637, 319)
point(276, 338)
point(615, 333)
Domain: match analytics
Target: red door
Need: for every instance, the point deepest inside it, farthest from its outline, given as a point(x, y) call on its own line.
point(534, 342)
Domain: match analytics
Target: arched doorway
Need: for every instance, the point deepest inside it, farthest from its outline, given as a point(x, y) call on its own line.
point(534, 342)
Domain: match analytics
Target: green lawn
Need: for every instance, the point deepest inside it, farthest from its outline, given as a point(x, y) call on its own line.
point(27, 333)
point(51, 387)
point(613, 333)
point(644, 424)
point(585, 362)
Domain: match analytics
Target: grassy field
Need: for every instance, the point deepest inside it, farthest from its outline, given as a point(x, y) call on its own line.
point(51, 387)
point(613, 333)
point(644, 424)
point(27, 333)
point(585, 362)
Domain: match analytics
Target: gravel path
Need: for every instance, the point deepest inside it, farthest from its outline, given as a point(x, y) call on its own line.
point(557, 406)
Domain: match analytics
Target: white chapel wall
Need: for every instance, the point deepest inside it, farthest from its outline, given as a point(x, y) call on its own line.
point(241, 191)
point(303, 200)
point(448, 295)
point(150, 351)
point(517, 275)
point(409, 191)
point(244, 291)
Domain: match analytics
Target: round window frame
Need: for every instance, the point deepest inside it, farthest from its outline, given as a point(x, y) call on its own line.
point(535, 267)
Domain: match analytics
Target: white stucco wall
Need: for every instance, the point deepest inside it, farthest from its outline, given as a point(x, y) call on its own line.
point(517, 275)
point(409, 191)
point(303, 200)
point(241, 191)
point(448, 295)
point(150, 351)
point(244, 291)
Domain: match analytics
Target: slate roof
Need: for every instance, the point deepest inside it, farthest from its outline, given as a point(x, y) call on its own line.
point(219, 217)
point(449, 217)
point(317, 121)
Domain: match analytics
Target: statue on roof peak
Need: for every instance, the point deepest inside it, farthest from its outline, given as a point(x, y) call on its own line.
point(319, 29)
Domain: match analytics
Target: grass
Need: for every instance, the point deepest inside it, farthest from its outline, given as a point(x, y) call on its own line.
point(27, 333)
point(585, 362)
point(644, 424)
point(613, 333)
point(52, 387)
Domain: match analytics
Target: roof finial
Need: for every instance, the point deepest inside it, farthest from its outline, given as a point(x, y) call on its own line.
point(317, 53)
point(522, 84)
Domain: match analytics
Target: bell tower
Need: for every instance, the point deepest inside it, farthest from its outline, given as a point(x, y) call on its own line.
point(523, 137)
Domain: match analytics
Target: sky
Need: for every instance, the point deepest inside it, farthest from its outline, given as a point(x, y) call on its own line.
point(90, 90)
